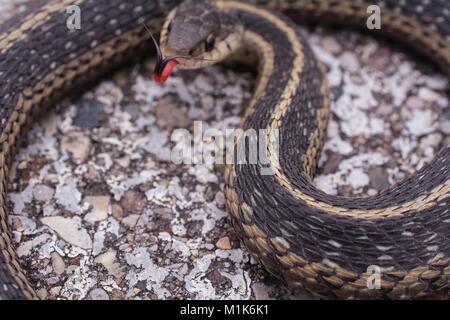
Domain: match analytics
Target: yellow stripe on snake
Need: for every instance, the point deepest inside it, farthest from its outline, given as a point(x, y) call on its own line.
point(310, 240)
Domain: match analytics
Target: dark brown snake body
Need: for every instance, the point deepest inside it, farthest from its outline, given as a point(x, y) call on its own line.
point(313, 241)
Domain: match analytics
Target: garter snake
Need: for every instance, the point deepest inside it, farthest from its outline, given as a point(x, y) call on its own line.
point(310, 240)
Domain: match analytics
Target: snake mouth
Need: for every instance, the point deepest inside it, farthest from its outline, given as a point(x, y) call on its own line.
point(165, 65)
point(164, 68)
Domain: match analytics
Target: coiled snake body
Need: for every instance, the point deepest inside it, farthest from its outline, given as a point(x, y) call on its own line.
point(310, 240)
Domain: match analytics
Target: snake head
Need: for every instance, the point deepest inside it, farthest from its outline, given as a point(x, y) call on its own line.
point(195, 34)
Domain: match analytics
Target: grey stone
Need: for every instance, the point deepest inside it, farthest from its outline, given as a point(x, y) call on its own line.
point(98, 294)
point(89, 114)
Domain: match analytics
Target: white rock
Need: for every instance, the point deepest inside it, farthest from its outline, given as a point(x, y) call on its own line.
point(405, 146)
point(26, 248)
point(209, 214)
point(156, 143)
point(99, 240)
point(69, 196)
point(131, 220)
point(147, 271)
point(203, 174)
point(435, 82)
point(358, 178)
point(234, 255)
point(57, 263)
point(330, 44)
point(27, 225)
point(445, 127)
point(108, 260)
point(220, 199)
point(49, 210)
point(224, 243)
point(107, 161)
point(433, 96)
point(99, 206)
point(70, 229)
point(77, 144)
point(326, 183)
point(98, 294)
point(180, 247)
point(431, 140)
point(42, 192)
point(21, 199)
point(349, 61)
point(422, 122)
point(49, 124)
point(54, 291)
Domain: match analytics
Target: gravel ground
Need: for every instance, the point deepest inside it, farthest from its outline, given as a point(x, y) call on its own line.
point(98, 210)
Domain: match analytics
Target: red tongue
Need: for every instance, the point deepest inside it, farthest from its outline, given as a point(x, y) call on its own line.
point(167, 71)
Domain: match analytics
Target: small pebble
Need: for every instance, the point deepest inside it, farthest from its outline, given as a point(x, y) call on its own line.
point(131, 220)
point(99, 206)
point(117, 211)
point(57, 263)
point(70, 230)
point(43, 193)
point(98, 294)
point(77, 144)
point(224, 243)
point(133, 202)
point(349, 61)
point(42, 293)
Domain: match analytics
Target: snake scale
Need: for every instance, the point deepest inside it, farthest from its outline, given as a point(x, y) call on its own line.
point(310, 240)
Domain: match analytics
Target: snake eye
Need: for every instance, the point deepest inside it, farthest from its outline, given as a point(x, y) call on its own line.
point(210, 42)
point(169, 27)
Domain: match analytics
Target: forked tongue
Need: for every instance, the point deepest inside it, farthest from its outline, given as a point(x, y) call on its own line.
point(163, 69)
point(164, 66)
